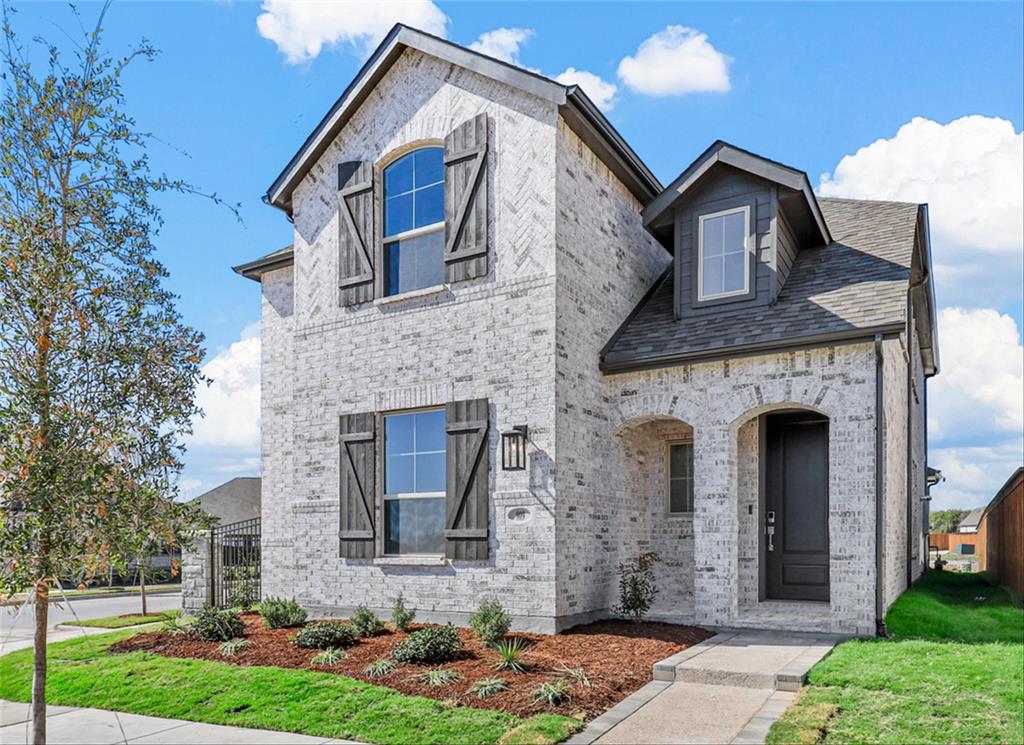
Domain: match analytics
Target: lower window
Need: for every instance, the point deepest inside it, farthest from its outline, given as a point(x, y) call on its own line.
point(680, 477)
point(414, 483)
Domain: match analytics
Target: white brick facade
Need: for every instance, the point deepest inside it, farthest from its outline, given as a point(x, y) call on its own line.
point(569, 260)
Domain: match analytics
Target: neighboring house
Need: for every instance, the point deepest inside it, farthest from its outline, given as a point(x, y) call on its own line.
point(728, 371)
point(232, 501)
point(970, 522)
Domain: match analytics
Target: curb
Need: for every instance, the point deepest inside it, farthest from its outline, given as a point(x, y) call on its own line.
point(94, 596)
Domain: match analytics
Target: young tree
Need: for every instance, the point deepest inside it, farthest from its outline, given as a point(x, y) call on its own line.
point(97, 370)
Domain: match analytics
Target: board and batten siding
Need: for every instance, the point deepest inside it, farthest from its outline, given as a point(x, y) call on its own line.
point(727, 188)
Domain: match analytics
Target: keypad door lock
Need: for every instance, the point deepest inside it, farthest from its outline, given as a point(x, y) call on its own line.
point(770, 529)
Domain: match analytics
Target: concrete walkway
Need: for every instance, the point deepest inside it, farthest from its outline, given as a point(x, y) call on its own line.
point(727, 689)
point(65, 724)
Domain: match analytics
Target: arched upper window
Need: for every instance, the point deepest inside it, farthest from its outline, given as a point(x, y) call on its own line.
point(414, 221)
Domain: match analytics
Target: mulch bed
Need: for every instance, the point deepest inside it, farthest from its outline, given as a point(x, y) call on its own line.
point(615, 655)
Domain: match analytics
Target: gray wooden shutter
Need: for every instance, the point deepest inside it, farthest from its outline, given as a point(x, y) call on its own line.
point(468, 480)
point(355, 237)
point(465, 200)
point(357, 496)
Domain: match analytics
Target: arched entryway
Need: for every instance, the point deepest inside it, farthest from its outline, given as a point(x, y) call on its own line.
point(782, 487)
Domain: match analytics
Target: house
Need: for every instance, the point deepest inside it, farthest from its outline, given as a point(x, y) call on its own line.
point(970, 522)
point(232, 501)
point(500, 358)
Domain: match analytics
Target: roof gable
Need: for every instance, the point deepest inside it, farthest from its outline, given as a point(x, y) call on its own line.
point(658, 214)
point(578, 111)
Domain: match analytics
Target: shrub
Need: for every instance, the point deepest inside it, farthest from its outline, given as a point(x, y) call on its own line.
point(490, 622)
point(325, 635)
point(330, 656)
point(233, 646)
point(179, 624)
point(637, 589)
point(379, 669)
point(487, 687)
point(365, 622)
point(552, 694)
point(574, 674)
point(213, 624)
point(439, 677)
point(401, 616)
point(510, 655)
point(279, 613)
point(430, 646)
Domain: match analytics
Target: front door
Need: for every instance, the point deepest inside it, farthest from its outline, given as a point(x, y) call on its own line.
point(796, 507)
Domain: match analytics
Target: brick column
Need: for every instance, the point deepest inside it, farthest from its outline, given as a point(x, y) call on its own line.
point(715, 532)
point(196, 574)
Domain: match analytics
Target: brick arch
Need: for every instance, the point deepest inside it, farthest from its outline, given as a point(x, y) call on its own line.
point(763, 397)
point(636, 409)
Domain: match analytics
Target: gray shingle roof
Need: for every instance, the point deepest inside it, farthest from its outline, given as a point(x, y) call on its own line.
point(855, 285)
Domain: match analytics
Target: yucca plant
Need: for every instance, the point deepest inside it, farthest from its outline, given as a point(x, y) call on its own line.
point(178, 625)
point(439, 677)
point(233, 646)
point(574, 674)
point(510, 655)
point(330, 656)
point(487, 687)
point(379, 669)
point(552, 694)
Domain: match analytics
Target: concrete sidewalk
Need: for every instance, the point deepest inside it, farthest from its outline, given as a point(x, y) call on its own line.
point(65, 724)
point(727, 689)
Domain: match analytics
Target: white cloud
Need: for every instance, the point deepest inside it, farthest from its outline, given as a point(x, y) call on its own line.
point(598, 90)
point(980, 390)
point(675, 61)
point(302, 29)
point(231, 403)
point(502, 43)
point(973, 475)
point(970, 172)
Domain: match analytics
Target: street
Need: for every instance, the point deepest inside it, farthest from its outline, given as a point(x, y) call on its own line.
point(16, 623)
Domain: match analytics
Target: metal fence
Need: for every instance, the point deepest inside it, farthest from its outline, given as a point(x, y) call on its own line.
point(235, 564)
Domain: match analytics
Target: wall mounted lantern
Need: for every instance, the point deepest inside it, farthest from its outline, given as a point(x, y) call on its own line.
point(513, 448)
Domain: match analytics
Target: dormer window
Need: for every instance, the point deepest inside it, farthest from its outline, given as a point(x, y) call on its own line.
point(723, 266)
point(414, 221)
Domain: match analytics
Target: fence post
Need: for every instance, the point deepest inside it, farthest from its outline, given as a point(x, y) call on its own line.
point(197, 573)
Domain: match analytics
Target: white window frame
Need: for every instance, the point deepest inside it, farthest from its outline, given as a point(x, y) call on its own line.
point(385, 496)
point(668, 478)
point(701, 296)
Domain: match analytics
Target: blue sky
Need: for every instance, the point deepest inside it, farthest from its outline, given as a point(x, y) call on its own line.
point(805, 84)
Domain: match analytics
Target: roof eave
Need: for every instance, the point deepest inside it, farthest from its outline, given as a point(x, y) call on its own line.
point(255, 269)
point(853, 336)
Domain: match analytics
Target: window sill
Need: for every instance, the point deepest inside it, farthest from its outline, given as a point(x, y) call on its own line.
point(410, 561)
point(411, 295)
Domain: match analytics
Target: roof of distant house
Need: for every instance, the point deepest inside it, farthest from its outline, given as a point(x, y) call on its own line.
point(232, 501)
point(972, 519)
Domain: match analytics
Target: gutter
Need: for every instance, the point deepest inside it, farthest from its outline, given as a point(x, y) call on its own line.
point(879, 492)
point(910, 426)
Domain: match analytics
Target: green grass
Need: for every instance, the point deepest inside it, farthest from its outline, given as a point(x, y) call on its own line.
point(120, 622)
point(952, 671)
point(55, 594)
point(83, 673)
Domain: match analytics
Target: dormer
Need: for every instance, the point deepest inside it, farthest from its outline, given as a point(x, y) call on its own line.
point(734, 222)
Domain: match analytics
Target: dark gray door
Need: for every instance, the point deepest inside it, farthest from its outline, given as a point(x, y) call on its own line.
point(796, 507)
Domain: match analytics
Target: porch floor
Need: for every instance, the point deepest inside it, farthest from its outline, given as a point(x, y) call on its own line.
point(785, 615)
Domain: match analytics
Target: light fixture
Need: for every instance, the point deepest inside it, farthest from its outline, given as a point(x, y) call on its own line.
point(513, 448)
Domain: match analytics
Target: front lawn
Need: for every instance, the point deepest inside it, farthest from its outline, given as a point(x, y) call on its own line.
point(84, 673)
point(952, 671)
point(120, 622)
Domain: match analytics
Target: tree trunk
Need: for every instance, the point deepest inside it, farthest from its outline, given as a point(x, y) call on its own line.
point(142, 587)
point(42, 602)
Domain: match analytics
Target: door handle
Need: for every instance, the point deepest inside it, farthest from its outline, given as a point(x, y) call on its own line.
point(770, 530)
